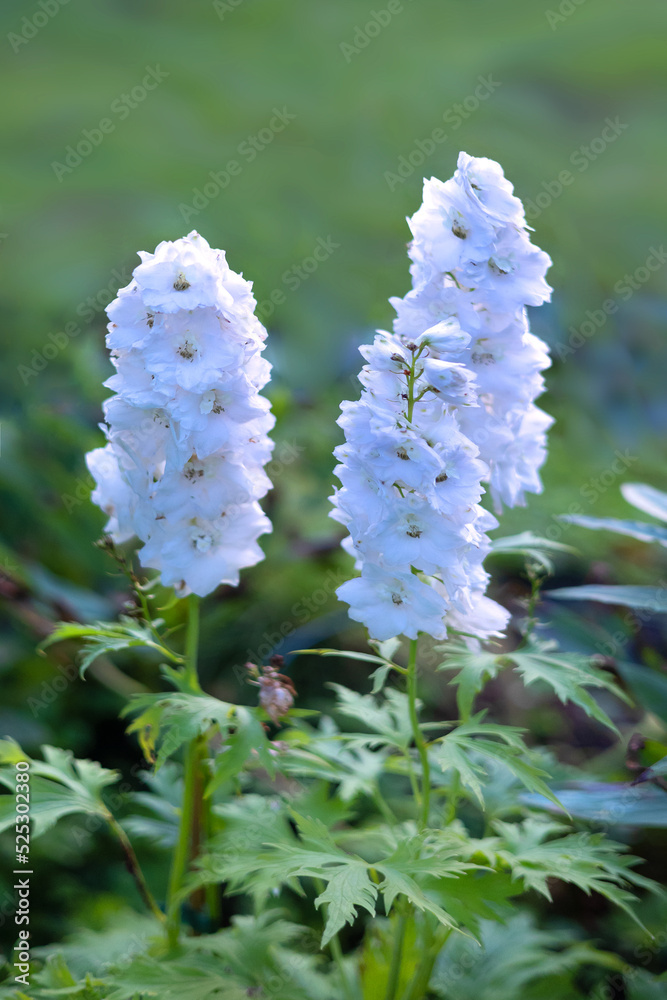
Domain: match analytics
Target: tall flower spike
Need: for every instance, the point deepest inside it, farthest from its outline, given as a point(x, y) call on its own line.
point(473, 263)
point(187, 427)
point(447, 403)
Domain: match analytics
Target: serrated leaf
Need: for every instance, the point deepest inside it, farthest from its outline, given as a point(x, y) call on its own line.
point(474, 668)
point(588, 861)
point(60, 785)
point(167, 722)
point(645, 598)
point(465, 748)
point(349, 888)
point(388, 719)
point(107, 637)
point(568, 674)
point(633, 529)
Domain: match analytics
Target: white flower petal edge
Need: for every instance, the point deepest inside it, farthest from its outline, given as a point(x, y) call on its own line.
point(187, 428)
point(473, 265)
point(447, 404)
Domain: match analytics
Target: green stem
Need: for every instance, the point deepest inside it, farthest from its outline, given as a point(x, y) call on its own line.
point(192, 643)
point(212, 891)
point(337, 953)
point(132, 865)
point(422, 977)
point(183, 844)
point(420, 743)
point(192, 791)
point(397, 957)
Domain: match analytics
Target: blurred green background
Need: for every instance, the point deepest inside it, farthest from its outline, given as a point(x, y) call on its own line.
point(364, 102)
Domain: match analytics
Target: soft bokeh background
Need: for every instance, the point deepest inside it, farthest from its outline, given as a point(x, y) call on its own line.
point(68, 236)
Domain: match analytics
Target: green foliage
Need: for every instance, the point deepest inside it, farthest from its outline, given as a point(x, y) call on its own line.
point(516, 959)
point(641, 597)
point(466, 748)
point(610, 803)
point(530, 547)
point(568, 674)
point(165, 722)
point(646, 498)
point(110, 637)
point(587, 861)
point(59, 786)
point(633, 529)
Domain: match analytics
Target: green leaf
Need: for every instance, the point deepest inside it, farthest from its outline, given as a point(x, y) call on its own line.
point(249, 737)
point(568, 674)
point(633, 529)
point(530, 546)
point(345, 654)
point(389, 720)
point(108, 637)
point(647, 499)
point(467, 746)
point(514, 957)
point(191, 978)
point(610, 803)
point(170, 720)
point(646, 598)
point(648, 686)
point(474, 668)
point(59, 786)
point(585, 860)
point(348, 888)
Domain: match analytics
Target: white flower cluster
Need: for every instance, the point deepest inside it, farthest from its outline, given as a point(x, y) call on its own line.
point(187, 426)
point(447, 404)
point(473, 262)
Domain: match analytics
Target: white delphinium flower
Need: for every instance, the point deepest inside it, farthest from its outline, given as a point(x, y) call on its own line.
point(411, 485)
point(187, 427)
point(473, 263)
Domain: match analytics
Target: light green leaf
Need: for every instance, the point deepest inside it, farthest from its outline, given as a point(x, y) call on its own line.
point(59, 786)
point(349, 888)
point(610, 803)
point(646, 598)
point(633, 529)
point(647, 499)
point(474, 668)
point(530, 546)
point(585, 860)
point(466, 747)
point(568, 674)
point(108, 637)
point(345, 654)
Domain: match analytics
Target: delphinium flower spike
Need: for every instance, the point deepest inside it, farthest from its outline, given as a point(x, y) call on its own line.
point(187, 428)
point(447, 405)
